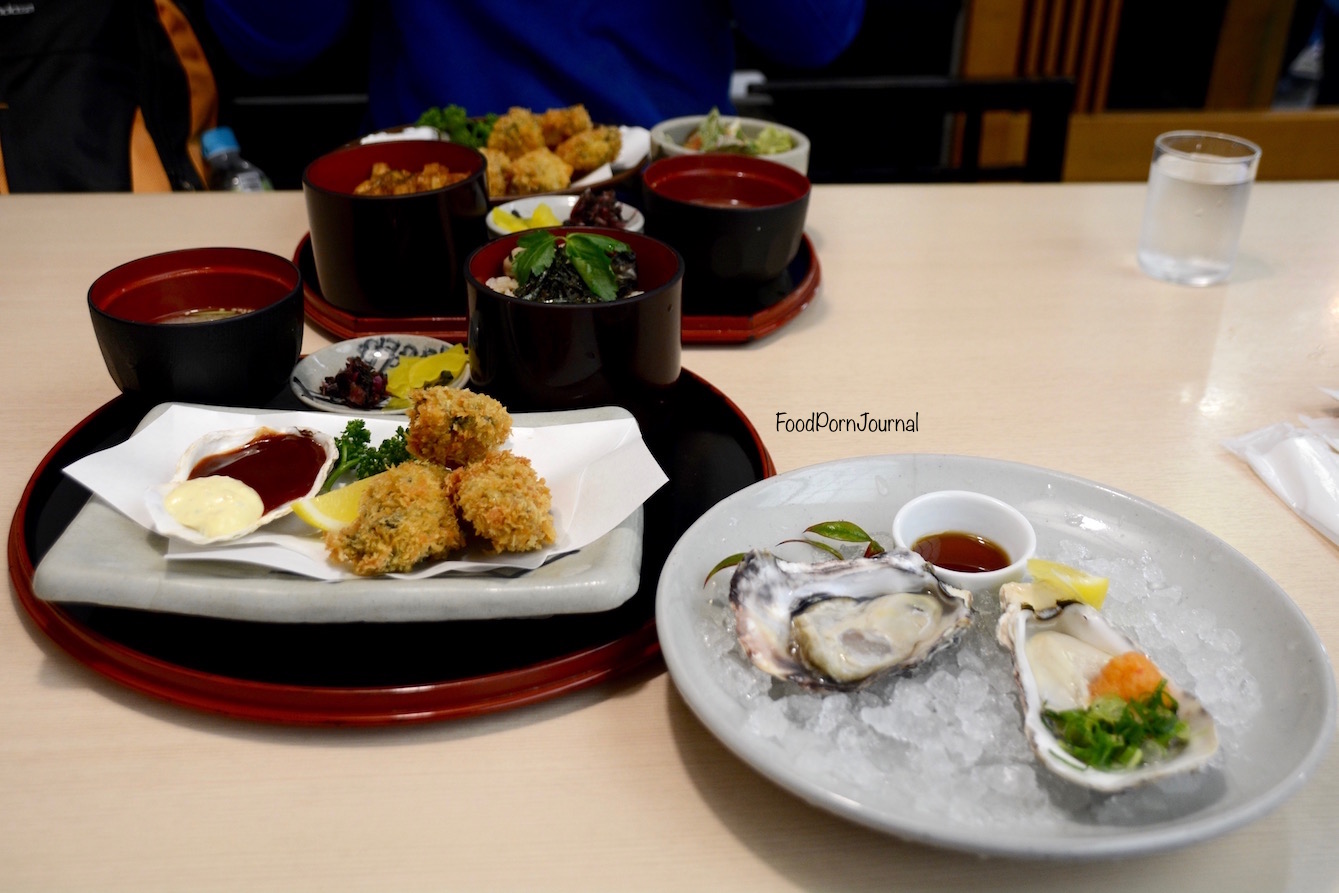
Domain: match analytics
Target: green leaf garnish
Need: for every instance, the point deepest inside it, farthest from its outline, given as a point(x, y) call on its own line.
point(539, 247)
point(846, 532)
point(728, 561)
point(839, 530)
point(590, 256)
point(831, 550)
point(1113, 734)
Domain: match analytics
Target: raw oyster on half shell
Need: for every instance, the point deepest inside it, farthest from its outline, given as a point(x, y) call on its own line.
point(308, 480)
point(838, 624)
point(1059, 647)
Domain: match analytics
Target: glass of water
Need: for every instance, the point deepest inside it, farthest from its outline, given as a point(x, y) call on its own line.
point(1198, 185)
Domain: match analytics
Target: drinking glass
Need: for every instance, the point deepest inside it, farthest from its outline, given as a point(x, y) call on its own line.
point(1198, 185)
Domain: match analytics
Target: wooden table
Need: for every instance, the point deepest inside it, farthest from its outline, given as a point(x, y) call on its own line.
point(1011, 318)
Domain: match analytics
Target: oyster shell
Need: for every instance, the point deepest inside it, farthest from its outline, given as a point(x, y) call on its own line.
point(838, 624)
point(1058, 647)
point(222, 442)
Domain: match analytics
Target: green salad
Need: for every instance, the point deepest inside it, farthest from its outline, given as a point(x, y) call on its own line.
point(718, 134)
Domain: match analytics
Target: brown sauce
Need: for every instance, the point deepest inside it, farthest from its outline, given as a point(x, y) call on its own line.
point(968, 553)
point(280, 467)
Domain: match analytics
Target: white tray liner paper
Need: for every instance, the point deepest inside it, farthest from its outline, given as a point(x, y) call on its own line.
point(110, 555)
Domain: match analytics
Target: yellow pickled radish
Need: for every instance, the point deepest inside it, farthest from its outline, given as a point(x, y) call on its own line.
point(415, 372)
point(544, 216)
point(331, 511)
point(507, 221)
point(1074, 583)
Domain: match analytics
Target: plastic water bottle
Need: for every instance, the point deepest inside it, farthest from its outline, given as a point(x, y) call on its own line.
point(228, 170)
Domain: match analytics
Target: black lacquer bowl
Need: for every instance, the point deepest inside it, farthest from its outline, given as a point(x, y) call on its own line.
point(201, 325)
point(395, 255)
point(737, 221)
point(536, 356)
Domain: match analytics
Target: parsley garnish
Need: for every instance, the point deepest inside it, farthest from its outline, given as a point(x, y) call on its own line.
point(1115, 734)
point(357, 454)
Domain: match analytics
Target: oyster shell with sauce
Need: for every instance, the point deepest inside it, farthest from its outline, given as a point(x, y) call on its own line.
point(282, 465)
point(1058, 648)
point(839, 624)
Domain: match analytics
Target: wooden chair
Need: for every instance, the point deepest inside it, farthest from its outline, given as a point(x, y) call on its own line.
point(860, 128)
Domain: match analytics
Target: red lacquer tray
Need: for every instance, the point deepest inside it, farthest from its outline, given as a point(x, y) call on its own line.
point(374, 673)
point(750, 315)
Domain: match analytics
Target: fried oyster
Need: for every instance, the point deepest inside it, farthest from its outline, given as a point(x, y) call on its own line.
point(406, 517)
point(539, 170)
point(516, 132)
point(587, 150)
point(453, 426)
point(505, 502)
point(559, 124)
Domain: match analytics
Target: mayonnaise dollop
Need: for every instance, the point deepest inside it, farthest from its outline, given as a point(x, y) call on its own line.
point(216, 505)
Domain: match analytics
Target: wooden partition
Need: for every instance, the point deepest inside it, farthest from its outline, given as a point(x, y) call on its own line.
point(1080, 39)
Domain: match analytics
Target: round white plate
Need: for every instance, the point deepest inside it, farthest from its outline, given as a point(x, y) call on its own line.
point(561, 206)
point(1272, 746)
point(381, 352)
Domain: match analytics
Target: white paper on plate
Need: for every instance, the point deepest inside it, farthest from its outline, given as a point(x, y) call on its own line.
point(1300, 466)
point(636, 145)
point(578, 462)
point(408, 133)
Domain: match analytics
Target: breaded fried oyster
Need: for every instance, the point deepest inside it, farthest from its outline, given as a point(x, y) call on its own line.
point(516, 132)
point(498, 171)
point(539, 170)
point(454, 426)
point(559, 124)
point(505, 502)
point(405, 517)
point(589, 149)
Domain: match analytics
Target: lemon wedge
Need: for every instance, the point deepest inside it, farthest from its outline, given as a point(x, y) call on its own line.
point(331, 511)
point(415, 372)
point(1074, 583)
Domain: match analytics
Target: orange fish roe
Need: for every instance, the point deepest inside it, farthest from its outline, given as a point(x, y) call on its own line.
point(1129, 676)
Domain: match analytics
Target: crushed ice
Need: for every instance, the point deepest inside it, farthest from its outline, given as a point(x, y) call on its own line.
point(947, 740)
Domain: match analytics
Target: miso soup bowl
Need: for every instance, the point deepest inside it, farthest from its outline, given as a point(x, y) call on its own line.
point(152, 319)
point(537, 356)
point(395, 255)
point(737, 220)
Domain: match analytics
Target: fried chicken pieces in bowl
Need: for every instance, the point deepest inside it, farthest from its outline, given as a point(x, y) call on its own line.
point(460, 488)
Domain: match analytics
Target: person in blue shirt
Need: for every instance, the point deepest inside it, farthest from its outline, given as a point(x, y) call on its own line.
point(628, 62)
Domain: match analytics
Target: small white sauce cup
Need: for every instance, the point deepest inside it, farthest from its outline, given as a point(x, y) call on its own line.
point(965, 511)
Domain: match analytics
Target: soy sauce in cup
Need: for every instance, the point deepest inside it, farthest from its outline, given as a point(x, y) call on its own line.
point(956, 550)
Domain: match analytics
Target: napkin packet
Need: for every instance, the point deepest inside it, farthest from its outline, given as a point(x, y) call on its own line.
point(577, 461)
point(1301, 466)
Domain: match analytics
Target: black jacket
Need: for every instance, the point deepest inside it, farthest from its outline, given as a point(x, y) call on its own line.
point(102, 95)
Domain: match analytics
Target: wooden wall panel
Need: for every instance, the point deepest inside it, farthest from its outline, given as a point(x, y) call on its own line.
point(1298, 145)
